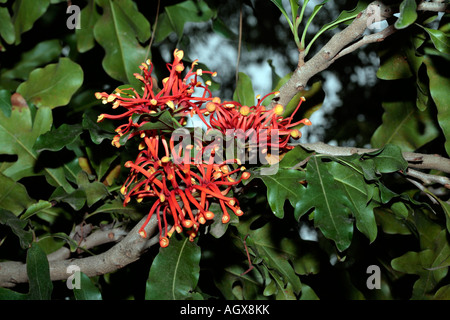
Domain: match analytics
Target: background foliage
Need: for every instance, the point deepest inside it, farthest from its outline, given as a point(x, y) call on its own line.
point(308, 240)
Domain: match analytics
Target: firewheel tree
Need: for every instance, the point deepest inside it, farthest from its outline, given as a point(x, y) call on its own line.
point(224, 150)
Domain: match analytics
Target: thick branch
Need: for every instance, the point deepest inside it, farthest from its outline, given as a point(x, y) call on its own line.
point(415, 160)
point(123, 253)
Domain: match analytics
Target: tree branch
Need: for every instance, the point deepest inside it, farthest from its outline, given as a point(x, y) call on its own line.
point(128, 250)
point(415, 160)
point(343, 43)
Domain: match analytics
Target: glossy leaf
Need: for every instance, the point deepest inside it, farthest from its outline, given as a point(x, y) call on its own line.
point(42, 54)
point(244, 93)
point(54, 85)
point(120, 30)
point(6, 27)
point(175, 271)
point(331, 212)
point(5, 102)
point(405, 126)
point(19, 140)
point(13, 196)
point(56, 139)
point(26, 12)
point(17, 227)
point(440, 40)
point(87, 290)
point(85, 34)
point(38, 271)
point(408, 14)
point(174, 18)
point(439, 84)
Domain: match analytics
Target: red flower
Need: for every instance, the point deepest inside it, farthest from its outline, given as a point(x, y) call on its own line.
point(182, 190)
point(258, 120)
point(176, 95)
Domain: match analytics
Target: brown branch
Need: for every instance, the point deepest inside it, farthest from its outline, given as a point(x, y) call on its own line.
point(128, 250)
point(415, 160)
point(343, 43)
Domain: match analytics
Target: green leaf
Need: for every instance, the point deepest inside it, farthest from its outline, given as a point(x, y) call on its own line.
point(393, 66)
point(116, 207)
point(175, 271)
point(408, 14)
point(119, 31)
point(331, 214)
point(244, 93)
point(439, 84)
point(26, 12)
point(6, 27)
point(13, 196)
point(87, 291)
point(85, 34)
point(42, 54)
point(57, 139)
point(387, 159)
point(280, 6)
point(19, 140)
point(38, 271)
point(17, 227)
point(8, 294)
point(440, 40)
point(95, 190)
point(174, 18)
point(355, 188)
point(35, 208)
point(5, 102)
point(54, 85)
point(405, 126)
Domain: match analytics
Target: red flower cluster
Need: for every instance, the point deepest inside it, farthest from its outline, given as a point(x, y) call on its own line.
point(258, 120)
point(183, 189)
point(175, 95)
point(184, 181)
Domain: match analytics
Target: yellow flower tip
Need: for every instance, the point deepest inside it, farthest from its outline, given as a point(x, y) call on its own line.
point(187, 223)
point(170, 104)
point(116, 104)
point(244, 110)
point(211, 106)
point(307, 122)
point(138, 76)
point(199, 72)
point(179, 67)
point(139, 200)
point(165, 159)
point(216, 100)
point(178, 229)
point(239, 212)
point(208, 83)
point(246, 175)
point(194, 63)
point(202, 220)
point(154, 102)
point(303, 99)
point(148, 61)
point(209, 215)
point(164, 242)
point(278, 110)
point(162, 198)
point(111, 98)
point(164, 81)
point(141, 146)
point(128, 164)
point(214, 74)
point(123, 190)
point(98, 95)
point(100, 118)
point(143, 234)
point(142, 135)
point(276, 93)
point(217, 175)
point(178, 54)
point(232, 202)
point(225, 219)
point(295, 133)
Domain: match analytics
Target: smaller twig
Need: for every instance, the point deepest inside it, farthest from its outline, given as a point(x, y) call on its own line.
point(248, 256)
point(429, 179)
point(367, 39)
